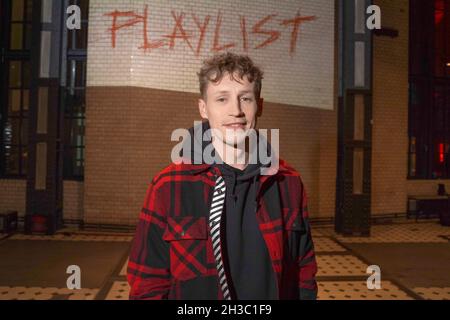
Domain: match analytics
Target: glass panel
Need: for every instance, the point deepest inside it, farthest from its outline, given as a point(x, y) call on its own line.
point(447, 28)
point(412, 145)
point(358, 171)
point(447, 160)
point(41, 166)
point(82, 37)
point(24, 132)
point(71, 39)
point(439, 121)
point(412, 169)
point(80, 157)
point(7, 133)
point(84, 7)
point(71, 72)
point(67, 132)
point(360, 64)
point(77, 39)
point(16, 36)
point(42, 111)
point(78, 132)
point(75, 101)
point(421, 40)
point(76, 73)
point(25, 100)
point(420, 102)
point(12, 159)
point(429, 112)
point(26, 74)
point(11, 133)
point(24, 160)
point(14, 102)
point(46, 11)
point(67, 163)
point(419, 59)
point(437, 165)
point(45, 54)
point(18, 7)
point(359, 118)
point(29, 10)
point(360, 16)
point(73, 162)
point(15, 76)
point(439, 38)
point(28, 35)
point(74, 132)
point(79, 161)
point(80, 74)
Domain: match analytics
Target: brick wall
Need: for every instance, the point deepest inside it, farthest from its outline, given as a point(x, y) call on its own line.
point(73, 200)
point(13, 197)
point(390, 111)
point(128, 141)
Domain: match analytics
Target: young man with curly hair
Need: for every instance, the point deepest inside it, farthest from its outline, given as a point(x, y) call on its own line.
point(225, 229)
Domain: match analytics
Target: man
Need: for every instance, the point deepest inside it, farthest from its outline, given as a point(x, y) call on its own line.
point(221, 229)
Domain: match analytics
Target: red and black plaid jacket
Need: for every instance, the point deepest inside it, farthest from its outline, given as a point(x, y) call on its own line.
point(172, 253)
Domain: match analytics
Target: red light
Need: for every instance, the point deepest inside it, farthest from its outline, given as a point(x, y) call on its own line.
point(441, 152)
point(439, 9)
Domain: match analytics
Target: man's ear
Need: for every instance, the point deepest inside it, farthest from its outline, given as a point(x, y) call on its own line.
point(260, 107)
point(202, 108)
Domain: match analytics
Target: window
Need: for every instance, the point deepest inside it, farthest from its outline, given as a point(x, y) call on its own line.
point(429, 85)
point(75, 96)
point(15, 70)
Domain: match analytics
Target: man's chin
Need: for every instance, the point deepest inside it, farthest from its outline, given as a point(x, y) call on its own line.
point(232, 138)
point(239, 142)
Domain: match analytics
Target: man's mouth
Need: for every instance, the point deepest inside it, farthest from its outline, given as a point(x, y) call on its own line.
point(235, 125)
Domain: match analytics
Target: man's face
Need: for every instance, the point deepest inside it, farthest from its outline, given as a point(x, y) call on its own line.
point(231, 108)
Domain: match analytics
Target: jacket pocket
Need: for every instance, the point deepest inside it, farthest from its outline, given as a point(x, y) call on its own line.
point(187, 237)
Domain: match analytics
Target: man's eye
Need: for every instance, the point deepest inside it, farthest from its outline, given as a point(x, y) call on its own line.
point(247, 99)
point(221, 99)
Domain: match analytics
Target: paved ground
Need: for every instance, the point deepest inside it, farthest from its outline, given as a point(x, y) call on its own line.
point(414, 258)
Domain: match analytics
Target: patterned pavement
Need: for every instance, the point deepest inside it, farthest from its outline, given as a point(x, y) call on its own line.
point(342, 273)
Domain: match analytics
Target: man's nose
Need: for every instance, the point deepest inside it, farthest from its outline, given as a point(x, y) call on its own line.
point(235, 108)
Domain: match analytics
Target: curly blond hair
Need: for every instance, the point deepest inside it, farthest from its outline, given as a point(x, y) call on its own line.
point(214, 68)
